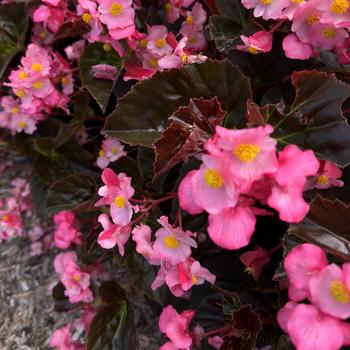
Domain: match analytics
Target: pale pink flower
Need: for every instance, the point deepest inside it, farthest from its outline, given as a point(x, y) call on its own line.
point(196, 17)
point(157, 41)
point(142, 237)
point(327, 176)
point(65, 234)
point(325, 36)
point(195, 37)
point(172, 243)
point(110, 151)
point(61, 339)
point(295, 49)
point(267, 9)
point(216, 342)
point(112, 234)
point(256, 43)
point(172, 11)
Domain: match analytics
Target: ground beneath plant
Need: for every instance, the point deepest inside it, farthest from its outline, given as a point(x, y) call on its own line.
point(27, 318)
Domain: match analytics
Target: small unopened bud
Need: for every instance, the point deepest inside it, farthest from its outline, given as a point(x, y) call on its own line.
point(104, 71)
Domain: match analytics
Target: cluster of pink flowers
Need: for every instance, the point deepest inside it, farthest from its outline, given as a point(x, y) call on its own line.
point(67, 231)
point(321, 323)
point(241, 168)
point(75, 281)
point(111, 150)
point(316, 25)
point(42, 82)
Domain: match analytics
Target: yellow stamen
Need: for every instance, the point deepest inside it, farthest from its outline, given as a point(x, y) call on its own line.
point(213, 179)
point(266, 2)
point(192, 39)
point(5, 217)
point(160, 43)
point(253, 50)
point(143, 42)
point(22, 75)
point(339, 7)
point(22, 124)
point(14, 110)
point(114, 150)
point(64, 80)
point(86, 17)
point(184, 58)
point(339, 292)
point(189, 20)
point(194, 279)
point(120, 202)
point(322, 180)
point(297, 1)
point(171, 242)
point(313, 19)
point(329, 33)
point(153, 62)
point(77, 278)
point(42, 35)
point(115, 9)
point(37, 67)
point(101, 153)
point(38, 85)
point(246, 152)
point(20, 93)
point(168, 7)
point(107, 47)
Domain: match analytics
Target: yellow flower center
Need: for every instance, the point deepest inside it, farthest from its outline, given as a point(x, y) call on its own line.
point(339, 7)
point(5, 217)
point(312, 19)
point(189, 20)
point(153, 62)
point(168, 7)
point(246, 152)
point(42, 35)
point(38, 85)
point(20, 93)
point(107, 47)
point(160, 43)
point(22, 75)
point(184, 58)
point(101, 153)
point(339, 292)
point(194, 279)
point(213, 179)
point(329, 33)
point(114, 150)
point(64, 80)
point(86, 17)
point(192, 39)
point(37, 67)
point(22, 124)
point(171, 242)
point(120, 201)
point(322, 180)
point(253, 50)
point(14, 110)
point(266, 2)
point(115, 9)
point(77, 278)
point(143, 42)
point(297, 1)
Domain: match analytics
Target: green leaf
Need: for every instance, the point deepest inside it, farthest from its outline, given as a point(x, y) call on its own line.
point(316, 121)
point(38, 191)
point(142, 114)
point(71, 193)
point(233, 9)
point(100, 89)
point(13, 28)
point(113, 326)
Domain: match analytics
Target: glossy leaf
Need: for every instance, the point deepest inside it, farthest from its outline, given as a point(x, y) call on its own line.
point(189, 128)
point(142, 114)
point(100, 89)
point(71, 30)
point(13, 28)
point(71, 192)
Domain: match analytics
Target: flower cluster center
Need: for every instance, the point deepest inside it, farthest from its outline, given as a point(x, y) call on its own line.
point(339, 7)
point(119, 201)
point(339, 292)
point(171, 242)
point(213, 179)
point(246, 152)
point(115, 9)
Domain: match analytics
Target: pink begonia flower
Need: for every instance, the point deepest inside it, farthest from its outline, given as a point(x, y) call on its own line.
point(295, 49)
point(326, 177)
point(175, 326)
point(172, 243)
point(302, 262)
point(255, 260)
point(186, 274)
point(256, 43)
point(284, 314)
point(66, 234)
point(213, 188)
point(196, 17)
point(112, 234)
point(111, 151)
point(310, 329)
point(172, 11)
point(157, 41)
point(335, 11)
point(216, 342)
point(21, 123)
point(135, 72)
point(37, 61)
point(64, 260)
point(61, 339)
point(52, 18)
point(52, 2)
point(252, 152)
point(329, 290)
point(325, 36)
point(267, 9)
point(75, 50)
point(118, 15)
point(196, 39)
point(142, 236)
point(232, 228)
point(116, 193)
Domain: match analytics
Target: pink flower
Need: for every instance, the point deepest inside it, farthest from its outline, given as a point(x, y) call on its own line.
point(142, 237)
point(157, 41)
point(267, 9)
point(329, 290)
point(112, 234)
point(196, 17)
point(64, 216)
point(326, 177)
point(60, 338)
point(172, 243)
point(195, 37)
point(111, 151)
point(172, 11)
point(256, 43)
point(216, 342)
point(175, 327)
point(66, 232)
point(255, 260)
point(310, 329)
point(295, 49)
point(252, 152)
